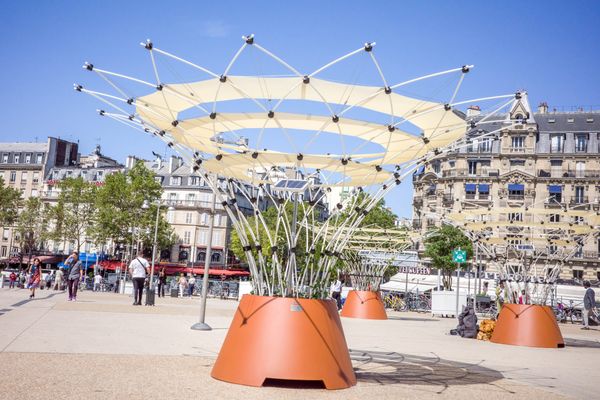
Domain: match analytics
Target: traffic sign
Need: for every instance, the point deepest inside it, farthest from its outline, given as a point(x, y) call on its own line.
point(459, 256)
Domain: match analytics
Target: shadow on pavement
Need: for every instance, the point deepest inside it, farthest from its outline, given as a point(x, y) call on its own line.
point(22, 302)
point(411, 319)
point(388, 368)
point(589, 344)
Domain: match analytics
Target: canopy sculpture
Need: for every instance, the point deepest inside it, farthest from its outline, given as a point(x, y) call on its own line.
point(369, 253)
point(529, 249)
point(335, 134)
point(217, 143)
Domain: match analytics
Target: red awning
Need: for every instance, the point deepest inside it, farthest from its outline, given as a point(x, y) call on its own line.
point(172, 269)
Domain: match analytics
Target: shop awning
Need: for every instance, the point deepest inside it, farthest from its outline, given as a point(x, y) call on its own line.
point(484, 188)
point(470, 187)
point(516, 187)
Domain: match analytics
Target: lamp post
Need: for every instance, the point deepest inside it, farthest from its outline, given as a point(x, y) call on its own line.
point(201, 325)
point(145, 206)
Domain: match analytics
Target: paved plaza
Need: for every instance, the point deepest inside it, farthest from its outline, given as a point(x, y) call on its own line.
point(102, 347)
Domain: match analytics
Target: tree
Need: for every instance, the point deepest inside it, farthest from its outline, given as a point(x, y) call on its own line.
point(379, 216)
point(10, 200)
point(439, 246)
point(32, 226)
point(74, 215)
point(119, 208)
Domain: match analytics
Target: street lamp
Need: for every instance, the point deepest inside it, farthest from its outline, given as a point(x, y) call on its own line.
point(146, 206)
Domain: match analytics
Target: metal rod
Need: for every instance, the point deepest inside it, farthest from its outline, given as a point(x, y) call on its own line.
point(201, 325)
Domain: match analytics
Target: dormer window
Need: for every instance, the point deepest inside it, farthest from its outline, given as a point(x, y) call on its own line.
point(589, 120)
point(551, 120)
point(175, 181)
point(570, 120)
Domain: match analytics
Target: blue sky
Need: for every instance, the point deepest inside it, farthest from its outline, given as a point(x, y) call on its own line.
point(550, 48)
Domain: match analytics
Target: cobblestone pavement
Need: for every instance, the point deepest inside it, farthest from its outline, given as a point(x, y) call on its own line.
point(103, 347)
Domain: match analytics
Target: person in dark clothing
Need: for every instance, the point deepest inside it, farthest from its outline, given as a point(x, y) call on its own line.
point(589, 303)
point(74, 275)
point(138, 269)
point(467, 323)
point(162, 282)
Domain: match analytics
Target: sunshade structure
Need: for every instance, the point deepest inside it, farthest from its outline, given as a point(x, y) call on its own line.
point(526, 245)
point(284, 140)
point(228, 125)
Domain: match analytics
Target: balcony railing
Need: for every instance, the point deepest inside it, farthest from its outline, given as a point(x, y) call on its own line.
point(579, 200)
point(518, 150)
point(458, 173)
point(595, 174)
point(516, 197)
point(590, 255)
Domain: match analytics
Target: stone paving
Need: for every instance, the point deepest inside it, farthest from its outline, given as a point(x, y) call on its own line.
point(102, 347)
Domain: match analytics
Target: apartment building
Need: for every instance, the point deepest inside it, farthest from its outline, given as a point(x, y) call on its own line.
point(24, 166)
point(547, 159)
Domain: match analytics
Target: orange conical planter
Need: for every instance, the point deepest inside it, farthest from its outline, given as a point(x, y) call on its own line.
point(527, 325)
point(285, 339)
point(364, 304)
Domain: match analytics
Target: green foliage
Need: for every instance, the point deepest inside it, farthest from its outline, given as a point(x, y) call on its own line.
point(439, 246)
point(379, 216)
point(119, 208)
point(10, 200)
point(74, 214)
point(32, 225)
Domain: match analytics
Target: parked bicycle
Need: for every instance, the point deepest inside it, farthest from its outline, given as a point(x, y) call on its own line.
point(412, 302)
point(569, 313)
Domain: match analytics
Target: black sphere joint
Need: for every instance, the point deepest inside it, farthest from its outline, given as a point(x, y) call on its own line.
point(339, 206)
point(89, 67)
point(473, 124)
point(426, 140)
point(335, 119)
point(213, 115)
point(131, 117)
point(130, 101)
point(271, 114)
point(175, 123)
point(219, 157)
point(368, 47)
point(170, 144)
point(78, 88)
point(102, 112)
point(518, 95)
point(223, 79)
point(250, 40)
point(300, 157)
point(387, 90)
point(306, 80)
point(195, 168)
point(255, 155)
point(465, 69)
point(447, 107)
point(148, 45)
point(159, 87)
point(161, 133)
point(391, 128)
point(344, 161)
point(378, 168)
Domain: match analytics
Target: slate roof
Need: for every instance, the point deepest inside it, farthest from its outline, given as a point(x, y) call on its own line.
point(580, 122)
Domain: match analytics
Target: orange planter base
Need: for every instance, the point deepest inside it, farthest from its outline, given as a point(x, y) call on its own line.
point(527, 325)
point(285, 339)
point(364, 304)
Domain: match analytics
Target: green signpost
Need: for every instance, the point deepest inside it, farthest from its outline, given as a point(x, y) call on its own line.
point(458, 256)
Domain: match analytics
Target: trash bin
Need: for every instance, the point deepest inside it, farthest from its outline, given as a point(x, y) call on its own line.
point(174, 292)
point(150, 293)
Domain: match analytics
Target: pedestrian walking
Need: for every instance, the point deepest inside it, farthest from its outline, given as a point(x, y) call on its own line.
point(74, 275)
point(182, 284)
point(49, 279)
point(58, 279)
point(500, 295)
point(97, 282)
point(12, 279)
point(162, 282)
point(336, 292)
point(589, 303)
point(191, 285)
point(35, 276)
point(138, 268)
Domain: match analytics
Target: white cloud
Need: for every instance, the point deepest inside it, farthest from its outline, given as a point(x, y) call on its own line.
point(215, 29)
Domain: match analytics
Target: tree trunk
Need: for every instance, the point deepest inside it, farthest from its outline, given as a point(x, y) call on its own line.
point(447, 279)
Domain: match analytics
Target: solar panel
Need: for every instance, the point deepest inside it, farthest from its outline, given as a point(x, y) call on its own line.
point(292, 185)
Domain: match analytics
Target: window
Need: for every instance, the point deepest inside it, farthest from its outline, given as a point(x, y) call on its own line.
point(580, 169)
point(578, 273)
point(555, 194)
point(554, 217)
point(472, 167)
point(484, 191)
point(557, 143)
point(4, 158)
point(36, 177)
point(451, 164)
point(188, 218)
point(34, 192)
point(28, 159)
point(39, 158)
point(517, 163)
point(17, 158)
point(518, 142)
point(579, 194)
point(486, 145)
point(24, 176)
point(186, 237)
point(470, 190)
point(68, 174)
point(516, 190)
point(204, 218)
point(436, 167)
point(175, 181)
point(13, 176)
point(172, 198)
point(170, 216)
point(581, 143)
point(515, 217)
point(570, 120)
point(194, 180)
point(578, 220)
point(4, 251)
point(5, 234)
point(191, 198)
point(158, 179)
point(201, 255)
point(215, 257)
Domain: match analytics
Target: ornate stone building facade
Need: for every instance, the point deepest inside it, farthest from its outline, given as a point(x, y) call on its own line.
point(549, 160)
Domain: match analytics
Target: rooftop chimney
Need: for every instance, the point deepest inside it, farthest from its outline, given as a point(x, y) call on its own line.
point(130, 161)
point(473, 111)
point(174, 163)
point(543, 107)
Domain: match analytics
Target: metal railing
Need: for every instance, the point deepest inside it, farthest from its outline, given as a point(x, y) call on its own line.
point(568, 174)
